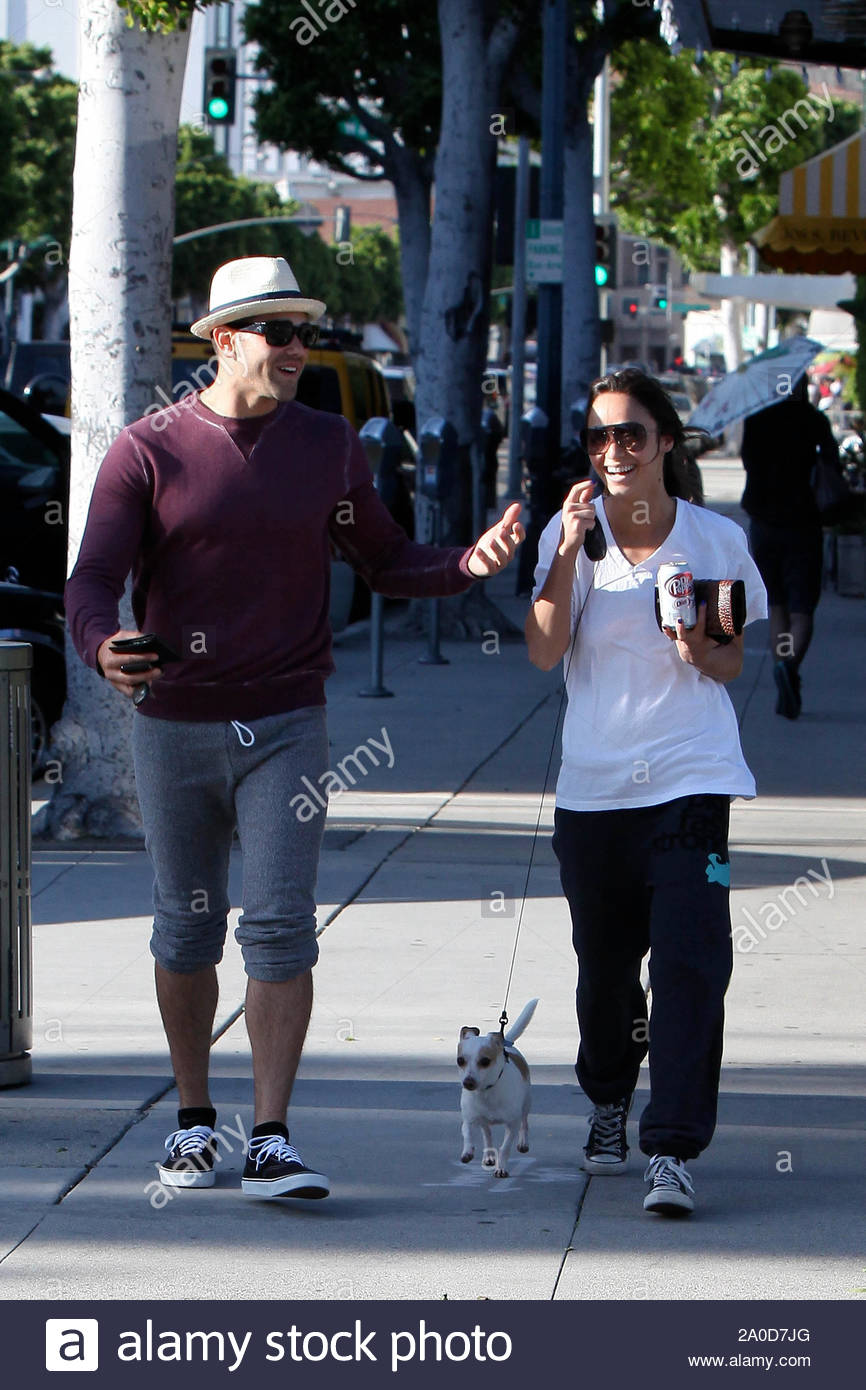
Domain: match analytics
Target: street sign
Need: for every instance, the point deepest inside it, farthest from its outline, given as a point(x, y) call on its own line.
point(689, 308)
point(544, 251)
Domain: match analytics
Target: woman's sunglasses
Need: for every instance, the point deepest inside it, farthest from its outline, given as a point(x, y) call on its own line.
point(630, 436)
point(280, 332)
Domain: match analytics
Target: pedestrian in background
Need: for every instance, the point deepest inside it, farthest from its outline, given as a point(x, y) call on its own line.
point(779, 450)
point(224, 506)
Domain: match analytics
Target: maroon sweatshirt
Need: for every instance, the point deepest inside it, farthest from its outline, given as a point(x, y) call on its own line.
point(225, 525)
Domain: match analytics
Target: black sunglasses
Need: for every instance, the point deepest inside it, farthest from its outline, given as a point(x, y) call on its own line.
point(280, 332)
point(630, 436)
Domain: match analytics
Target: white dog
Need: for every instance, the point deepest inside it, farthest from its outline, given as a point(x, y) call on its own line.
point(496, 1090)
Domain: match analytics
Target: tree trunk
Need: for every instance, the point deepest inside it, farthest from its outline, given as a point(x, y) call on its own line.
point(452, 348)
point(120, 319)
point(412, 191)
point(581, 338)
point(731, 310)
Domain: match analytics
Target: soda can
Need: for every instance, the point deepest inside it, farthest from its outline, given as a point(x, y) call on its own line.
point(676, 586)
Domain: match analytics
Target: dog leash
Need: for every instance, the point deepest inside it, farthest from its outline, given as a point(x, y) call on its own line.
point(503, 1017)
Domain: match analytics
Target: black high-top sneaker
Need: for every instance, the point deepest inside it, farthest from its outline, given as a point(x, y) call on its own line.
point(606, 1149)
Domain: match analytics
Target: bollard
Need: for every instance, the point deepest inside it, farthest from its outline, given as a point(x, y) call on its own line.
point(16, 1003)
point(436, 475)
point(383, 443)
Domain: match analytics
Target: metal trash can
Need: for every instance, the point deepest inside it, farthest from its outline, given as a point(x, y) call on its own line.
point(16, 1008)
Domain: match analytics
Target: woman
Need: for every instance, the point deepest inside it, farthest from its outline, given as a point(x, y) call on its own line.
point(651, 759)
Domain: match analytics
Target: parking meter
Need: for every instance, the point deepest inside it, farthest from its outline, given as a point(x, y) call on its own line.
point(436, 480)
point(438, 462)
point(533, 438)
point(383, 445)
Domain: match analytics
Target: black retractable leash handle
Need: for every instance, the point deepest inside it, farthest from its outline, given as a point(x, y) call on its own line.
point(595, 545)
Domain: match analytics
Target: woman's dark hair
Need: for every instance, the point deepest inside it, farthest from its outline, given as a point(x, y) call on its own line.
point(679, 471)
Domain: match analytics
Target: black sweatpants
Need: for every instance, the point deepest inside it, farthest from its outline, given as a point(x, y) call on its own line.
point(651, 878)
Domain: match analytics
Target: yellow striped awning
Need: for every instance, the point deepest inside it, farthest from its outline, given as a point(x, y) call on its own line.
point(821, 226)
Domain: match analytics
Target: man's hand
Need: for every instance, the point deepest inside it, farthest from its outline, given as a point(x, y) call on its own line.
point(496, 548)
point(127, 682)
point(578, 517)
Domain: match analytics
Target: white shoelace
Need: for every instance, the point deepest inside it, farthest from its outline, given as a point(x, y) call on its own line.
point(665, 1171)
point(274, 1146)
point(190, 1141)
point(244, 742)
point(606, 1128)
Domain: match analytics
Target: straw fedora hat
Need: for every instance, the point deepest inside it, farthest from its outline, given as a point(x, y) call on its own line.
point(250, 286)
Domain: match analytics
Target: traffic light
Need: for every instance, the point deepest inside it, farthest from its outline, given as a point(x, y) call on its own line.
point(220, 78)
point(605, 255)
point(660, 300)
point(631, 307)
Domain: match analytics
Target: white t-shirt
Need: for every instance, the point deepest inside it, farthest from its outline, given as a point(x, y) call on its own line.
point(642, 726)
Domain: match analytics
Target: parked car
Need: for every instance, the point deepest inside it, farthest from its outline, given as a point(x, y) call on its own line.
point(34, 495)
point(39, 374)
point(400, 381)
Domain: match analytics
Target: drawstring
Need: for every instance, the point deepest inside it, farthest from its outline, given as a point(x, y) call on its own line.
point(244, 742)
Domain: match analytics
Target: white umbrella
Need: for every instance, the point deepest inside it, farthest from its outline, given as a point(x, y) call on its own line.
point(764, 380)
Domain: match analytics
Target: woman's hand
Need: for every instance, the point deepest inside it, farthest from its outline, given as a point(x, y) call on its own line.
point(721, 662)
point(578, 517)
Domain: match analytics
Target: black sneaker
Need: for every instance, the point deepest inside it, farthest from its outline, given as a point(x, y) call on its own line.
point(672, 1192)
point(606, 1149)
point(191, 1157)
point(274, 1168)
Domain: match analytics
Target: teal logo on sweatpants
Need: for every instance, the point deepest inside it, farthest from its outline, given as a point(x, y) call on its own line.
point(717, 872)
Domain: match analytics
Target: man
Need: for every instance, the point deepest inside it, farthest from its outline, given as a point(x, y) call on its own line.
point(779, 450)
point(223, 506)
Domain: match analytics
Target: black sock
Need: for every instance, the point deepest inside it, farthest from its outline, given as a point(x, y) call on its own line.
point(196, 1115)
point(269, 1127)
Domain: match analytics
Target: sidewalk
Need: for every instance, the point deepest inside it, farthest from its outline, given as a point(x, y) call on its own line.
point(417, 859)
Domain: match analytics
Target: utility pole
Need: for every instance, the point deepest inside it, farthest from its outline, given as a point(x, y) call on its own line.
point(518, 320)
point(555, 42)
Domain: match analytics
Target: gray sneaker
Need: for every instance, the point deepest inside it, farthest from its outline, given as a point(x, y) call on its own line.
point(606, 1149)
point(672, 1192)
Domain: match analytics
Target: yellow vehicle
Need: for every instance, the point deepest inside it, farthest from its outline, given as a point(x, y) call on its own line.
point(344, 382)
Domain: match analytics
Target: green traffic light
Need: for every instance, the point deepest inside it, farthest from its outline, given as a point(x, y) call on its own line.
point(663, 304)
point(218, 108)
point(601, 276)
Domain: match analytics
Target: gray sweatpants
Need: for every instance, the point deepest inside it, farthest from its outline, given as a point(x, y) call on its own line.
point(195, 782)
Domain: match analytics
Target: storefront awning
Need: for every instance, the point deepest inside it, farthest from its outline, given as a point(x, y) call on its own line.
point(821, 226)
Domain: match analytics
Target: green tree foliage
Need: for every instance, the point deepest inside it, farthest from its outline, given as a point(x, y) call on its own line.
point(682, 171)
point(359, 281)
point(161, 16)
point(381, 60)
point(37, 143)
point(368, 277)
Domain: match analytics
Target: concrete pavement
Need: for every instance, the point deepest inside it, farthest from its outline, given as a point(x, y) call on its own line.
point(423, 868)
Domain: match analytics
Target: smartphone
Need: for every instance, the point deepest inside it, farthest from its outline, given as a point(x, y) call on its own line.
point(146, 642)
